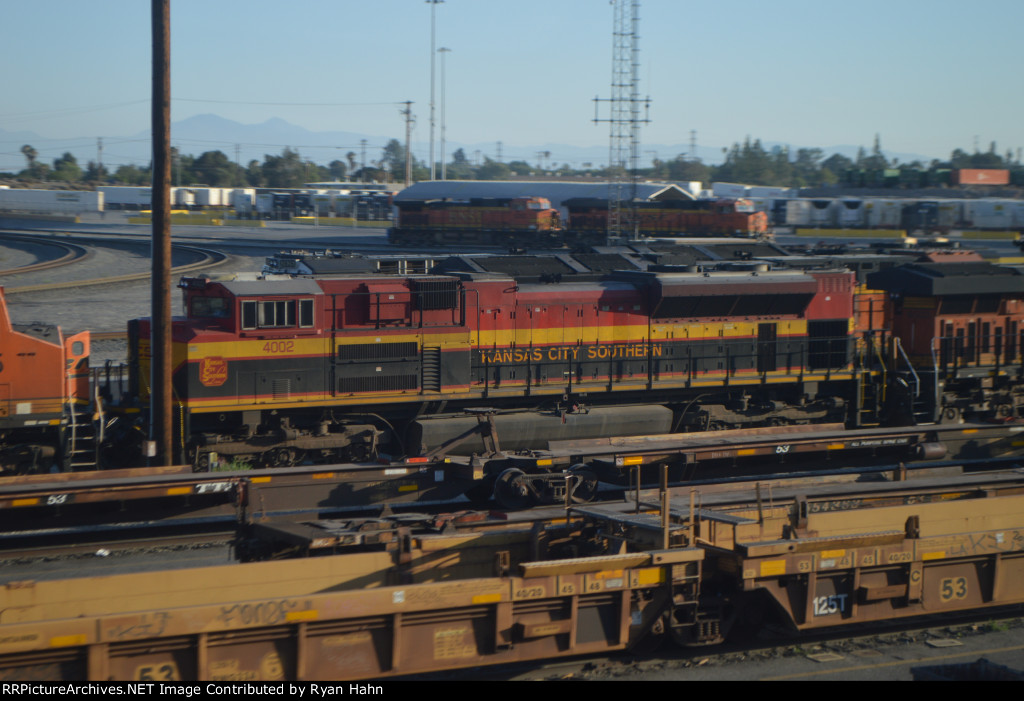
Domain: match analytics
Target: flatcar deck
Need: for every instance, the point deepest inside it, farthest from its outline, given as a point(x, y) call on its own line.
point(35, 503)
point(592, 580)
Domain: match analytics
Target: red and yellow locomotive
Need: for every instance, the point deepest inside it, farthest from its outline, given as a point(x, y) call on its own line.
point(280, 371)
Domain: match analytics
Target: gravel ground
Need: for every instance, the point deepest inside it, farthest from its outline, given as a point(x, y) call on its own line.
point(100, 307)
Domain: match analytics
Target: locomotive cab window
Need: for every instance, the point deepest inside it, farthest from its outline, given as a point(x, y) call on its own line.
point(277, 313)
point(208, 307)
point(305, 313)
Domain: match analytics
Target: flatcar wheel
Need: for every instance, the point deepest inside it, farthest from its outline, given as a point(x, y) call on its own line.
point(583, 484)
point(511, 489)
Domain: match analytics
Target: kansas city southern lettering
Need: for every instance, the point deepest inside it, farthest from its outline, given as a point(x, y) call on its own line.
point(557, 353)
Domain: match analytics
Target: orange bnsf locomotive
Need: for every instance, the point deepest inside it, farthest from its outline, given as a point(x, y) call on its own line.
point(588, 218)
point(532, 222)
point(507, 222)
point(282, 371)
point(957, 345)
point(44, 395)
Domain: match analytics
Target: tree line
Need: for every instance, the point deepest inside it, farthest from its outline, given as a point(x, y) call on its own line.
point(750, 163)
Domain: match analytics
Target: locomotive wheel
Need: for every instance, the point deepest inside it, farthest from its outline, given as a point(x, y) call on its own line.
point(202, 463)
point(584, 484)
point(951, 415)
point(1004, 411)
point(511, 489)
point(358, 452)
point(281, 457)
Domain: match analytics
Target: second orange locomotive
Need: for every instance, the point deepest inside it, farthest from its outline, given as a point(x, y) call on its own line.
point(532, 222)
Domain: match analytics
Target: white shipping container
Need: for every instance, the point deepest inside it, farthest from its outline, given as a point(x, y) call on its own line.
point(322, 204)
point(988, 214)
point(733, 190)
point(121, 197)
point(1018, 214)
point(883, 214)
point(206, 196)
point(823, 213)
point(798, 213)
point(775, 193)
point(50, 201)
point(212, 196)
point(949, 214)
point(265, 203)
point(851, 214)
point(242, 201)
point(182, 197)
point(694, 187)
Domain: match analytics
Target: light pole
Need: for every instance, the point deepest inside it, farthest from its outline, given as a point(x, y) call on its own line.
point(433, 6)
point(444, 159)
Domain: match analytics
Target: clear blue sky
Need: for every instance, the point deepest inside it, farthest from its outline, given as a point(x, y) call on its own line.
point(927, 75)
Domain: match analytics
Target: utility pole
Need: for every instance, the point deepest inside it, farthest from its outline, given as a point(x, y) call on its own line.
point(362, 168)
point(99, 157)
point(161, 415)
point(409, 119)
point(433, 5)
point(624, 121)
point(499, 152)
point(444, 164)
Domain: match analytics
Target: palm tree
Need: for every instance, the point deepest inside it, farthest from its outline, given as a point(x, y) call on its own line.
point(30, 154)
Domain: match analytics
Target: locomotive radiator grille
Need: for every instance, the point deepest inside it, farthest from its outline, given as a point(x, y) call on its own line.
point(381, 383)
point(282, 389)
point(378, 351)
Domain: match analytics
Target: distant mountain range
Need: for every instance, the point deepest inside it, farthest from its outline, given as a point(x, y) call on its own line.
point(245, 142)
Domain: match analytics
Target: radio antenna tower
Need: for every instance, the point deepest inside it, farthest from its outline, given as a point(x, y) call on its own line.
point(625, 121)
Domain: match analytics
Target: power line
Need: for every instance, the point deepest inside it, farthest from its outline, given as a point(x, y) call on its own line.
point(65, 111)
point(292, 104)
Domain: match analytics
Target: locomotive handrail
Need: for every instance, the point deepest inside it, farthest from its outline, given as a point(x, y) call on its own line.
point(910, 366)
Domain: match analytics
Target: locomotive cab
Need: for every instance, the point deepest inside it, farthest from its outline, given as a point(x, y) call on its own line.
point(960, 334)
point(43, 379)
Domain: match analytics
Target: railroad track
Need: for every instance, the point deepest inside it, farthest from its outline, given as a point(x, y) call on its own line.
point(71, 252)
point(887, 651)
point(126, 546)
point(207, 258)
